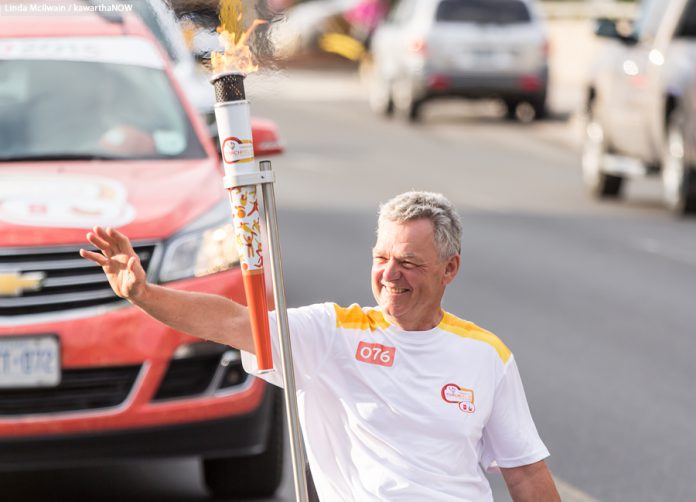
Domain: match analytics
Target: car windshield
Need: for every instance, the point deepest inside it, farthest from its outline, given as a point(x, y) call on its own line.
point(90, 110)
point(483, 11)
point(150, 18)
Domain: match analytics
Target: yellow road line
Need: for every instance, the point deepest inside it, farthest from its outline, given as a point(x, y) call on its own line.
point(570, 493)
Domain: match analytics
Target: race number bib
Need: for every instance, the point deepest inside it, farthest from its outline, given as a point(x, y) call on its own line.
point(375, 353)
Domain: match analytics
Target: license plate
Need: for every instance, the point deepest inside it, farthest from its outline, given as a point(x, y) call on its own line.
point(484, 59)
point(29, 361)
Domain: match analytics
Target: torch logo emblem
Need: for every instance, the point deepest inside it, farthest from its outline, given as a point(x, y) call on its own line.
point(236, 150)
point(462, 397)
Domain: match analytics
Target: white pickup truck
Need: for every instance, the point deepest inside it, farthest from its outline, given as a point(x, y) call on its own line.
point(641, 104)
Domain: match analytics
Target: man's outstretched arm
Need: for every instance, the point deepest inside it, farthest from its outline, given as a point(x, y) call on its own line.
point(205, 316)
point(531, 483)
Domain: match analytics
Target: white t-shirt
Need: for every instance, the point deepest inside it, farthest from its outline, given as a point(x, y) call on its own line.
point(395, 415)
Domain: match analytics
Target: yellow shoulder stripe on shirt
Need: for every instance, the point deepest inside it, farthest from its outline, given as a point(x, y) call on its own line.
point(354, 317)
point(468, 329)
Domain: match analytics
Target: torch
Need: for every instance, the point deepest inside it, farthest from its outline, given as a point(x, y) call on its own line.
point(234, 128)
point(241, 179)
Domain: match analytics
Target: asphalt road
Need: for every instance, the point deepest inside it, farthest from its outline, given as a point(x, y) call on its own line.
point(596, 300)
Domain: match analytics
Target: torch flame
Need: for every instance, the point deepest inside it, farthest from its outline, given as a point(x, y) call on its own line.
point(237, 54)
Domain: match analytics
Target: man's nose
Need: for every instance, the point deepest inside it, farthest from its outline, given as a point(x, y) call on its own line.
point(391, 270)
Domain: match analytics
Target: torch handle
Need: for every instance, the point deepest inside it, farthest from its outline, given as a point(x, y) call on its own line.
point(296, 445)
point(255, 289)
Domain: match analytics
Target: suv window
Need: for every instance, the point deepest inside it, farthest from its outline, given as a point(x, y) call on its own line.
point(483, 11)
point(687, 26)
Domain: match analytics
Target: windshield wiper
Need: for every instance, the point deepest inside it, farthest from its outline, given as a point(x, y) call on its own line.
point(60, 156)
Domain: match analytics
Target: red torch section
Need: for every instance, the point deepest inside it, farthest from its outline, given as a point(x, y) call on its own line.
point(255, 289)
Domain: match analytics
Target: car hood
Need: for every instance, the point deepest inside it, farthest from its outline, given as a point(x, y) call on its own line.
point(56, 203)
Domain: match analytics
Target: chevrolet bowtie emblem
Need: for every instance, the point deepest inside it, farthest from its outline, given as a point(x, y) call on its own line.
point(16, 283)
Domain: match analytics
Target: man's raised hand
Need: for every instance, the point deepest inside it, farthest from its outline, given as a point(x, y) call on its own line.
point(118, 260)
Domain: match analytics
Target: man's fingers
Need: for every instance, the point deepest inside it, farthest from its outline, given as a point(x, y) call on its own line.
point(112, 240)
point(131, 264)
point(97, 258)
point(97, 241)
point(102, 234)
point(120, 241)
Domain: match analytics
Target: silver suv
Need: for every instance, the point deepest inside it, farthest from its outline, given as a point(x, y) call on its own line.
point(475, 49)
point(641, 105)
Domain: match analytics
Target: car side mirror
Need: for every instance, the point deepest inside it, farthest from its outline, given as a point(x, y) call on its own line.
point(265, 138)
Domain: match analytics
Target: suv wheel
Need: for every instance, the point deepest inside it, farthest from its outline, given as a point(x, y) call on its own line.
point(525, 111)
point(255, 476)
point(414, 111)
point(409, 110)
point(678, 178)
point(511, 109)
point(381, 101)
point(599, 183)
point(539, 106)
point(406, 104)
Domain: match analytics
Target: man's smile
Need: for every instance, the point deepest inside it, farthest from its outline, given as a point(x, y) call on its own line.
point(394, 291)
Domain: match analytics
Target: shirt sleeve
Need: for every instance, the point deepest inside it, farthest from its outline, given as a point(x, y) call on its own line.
point(310, 337)
point(510, 438)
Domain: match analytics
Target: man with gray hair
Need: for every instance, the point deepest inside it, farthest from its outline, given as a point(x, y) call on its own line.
point(402, 401)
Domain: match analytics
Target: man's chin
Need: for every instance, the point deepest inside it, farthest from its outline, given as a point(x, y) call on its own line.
point(393, 311)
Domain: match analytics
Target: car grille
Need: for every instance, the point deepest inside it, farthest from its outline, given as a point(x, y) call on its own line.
point(79, 389)
point(69, 281)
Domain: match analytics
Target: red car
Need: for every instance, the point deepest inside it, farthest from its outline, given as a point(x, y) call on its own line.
point(94, 130)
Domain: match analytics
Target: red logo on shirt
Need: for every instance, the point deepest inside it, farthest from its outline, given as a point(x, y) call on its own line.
point(463, 398)
point(375, 353)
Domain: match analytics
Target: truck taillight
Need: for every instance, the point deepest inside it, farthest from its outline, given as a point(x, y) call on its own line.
point(530, 83)
point(439, 82)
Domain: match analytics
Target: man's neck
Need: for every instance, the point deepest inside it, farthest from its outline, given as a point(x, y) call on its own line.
point(423, 324)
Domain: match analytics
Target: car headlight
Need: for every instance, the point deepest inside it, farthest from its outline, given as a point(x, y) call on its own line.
point(204, 247)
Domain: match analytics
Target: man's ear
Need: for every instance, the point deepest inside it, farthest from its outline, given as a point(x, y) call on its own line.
point(451, 268)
